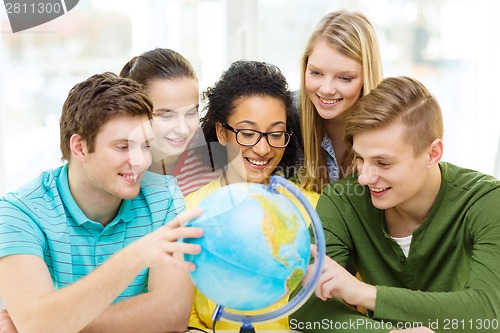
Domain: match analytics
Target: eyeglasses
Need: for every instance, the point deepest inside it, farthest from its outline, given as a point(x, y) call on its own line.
point(250, 137)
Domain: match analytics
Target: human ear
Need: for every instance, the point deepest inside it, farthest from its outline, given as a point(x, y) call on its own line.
point(78, 147)
point(221, 133)
point(435, 152)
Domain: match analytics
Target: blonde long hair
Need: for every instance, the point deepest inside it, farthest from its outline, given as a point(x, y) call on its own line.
point(353, 35)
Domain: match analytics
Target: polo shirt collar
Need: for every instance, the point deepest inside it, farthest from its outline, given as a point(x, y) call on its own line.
point(124, 214)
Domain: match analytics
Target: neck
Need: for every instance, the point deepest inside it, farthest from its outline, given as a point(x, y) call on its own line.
point(162, 167)
point(97, 205)
point(230, 177)
point(335, 130)
point(403, 219)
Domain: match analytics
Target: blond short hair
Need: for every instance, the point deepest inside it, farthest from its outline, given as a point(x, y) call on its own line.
point(398, 99)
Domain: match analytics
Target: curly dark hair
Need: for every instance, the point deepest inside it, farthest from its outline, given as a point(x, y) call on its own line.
point(245, 78)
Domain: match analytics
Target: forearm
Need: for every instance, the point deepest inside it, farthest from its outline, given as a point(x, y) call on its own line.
point(150, 312)
point(71, 308)
point(165, 308)
point(467, 307)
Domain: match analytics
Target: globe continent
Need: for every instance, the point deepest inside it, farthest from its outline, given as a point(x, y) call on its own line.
point(255, 248)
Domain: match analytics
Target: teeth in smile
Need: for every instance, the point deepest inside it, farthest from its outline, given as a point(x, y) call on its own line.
point(329, 101)
point(134, 177)
point(258, 162)
point(176, 140)
point(378, 190)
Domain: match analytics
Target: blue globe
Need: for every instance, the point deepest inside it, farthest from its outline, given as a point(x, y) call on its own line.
point(255, 249)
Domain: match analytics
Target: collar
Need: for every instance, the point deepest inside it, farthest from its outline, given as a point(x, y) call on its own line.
point(326, 143)
point(124, 214)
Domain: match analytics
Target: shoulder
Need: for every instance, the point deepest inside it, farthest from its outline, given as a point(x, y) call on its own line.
point(40, 194)
point(161, 193)
point(463, 182)
point(345, 197)
point(347, 188)
point(311, 196)
point(194, 198)
point(154, 183)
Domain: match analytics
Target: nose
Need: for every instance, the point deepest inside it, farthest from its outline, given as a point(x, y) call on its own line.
point(368, 174)
point(262, 147)
point(328, 87)
point(140, 159)
point(182, 127)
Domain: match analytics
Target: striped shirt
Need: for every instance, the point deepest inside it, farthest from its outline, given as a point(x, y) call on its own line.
point(192, 172)
point(43, 219)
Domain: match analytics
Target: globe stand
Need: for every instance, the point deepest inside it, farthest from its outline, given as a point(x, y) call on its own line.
point(302, 296)
point(246, 326)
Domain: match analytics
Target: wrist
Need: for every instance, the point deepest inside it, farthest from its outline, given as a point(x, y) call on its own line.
point(369, 297)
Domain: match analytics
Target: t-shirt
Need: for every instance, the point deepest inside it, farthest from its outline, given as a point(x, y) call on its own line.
point(43, 219)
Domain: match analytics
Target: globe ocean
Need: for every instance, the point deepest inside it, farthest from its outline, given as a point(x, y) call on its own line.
point(255, 248)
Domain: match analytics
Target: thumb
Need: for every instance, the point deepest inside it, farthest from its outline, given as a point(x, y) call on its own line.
point(183, 218)
point(314, 250)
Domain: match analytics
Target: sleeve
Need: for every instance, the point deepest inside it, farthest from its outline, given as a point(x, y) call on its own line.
point(19, 234)
point(333, 314)
point(194, 319)
point(336, 233)
point(200, 313)
point(475, 308)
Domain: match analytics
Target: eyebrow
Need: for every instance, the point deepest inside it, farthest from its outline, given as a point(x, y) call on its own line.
point(344, 72)
point(249, 122)
point(382, 156)
point(187, 107)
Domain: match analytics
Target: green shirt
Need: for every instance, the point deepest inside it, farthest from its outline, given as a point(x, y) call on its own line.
point(449, 282)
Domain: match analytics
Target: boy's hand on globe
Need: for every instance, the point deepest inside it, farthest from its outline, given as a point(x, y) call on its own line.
point(336, 281)
point(162, 246)
point(311, 268)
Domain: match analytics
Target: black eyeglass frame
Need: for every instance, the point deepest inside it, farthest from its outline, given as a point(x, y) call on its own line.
point(288, 134)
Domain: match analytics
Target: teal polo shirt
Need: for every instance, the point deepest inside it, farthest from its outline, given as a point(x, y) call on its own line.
point(43, 219)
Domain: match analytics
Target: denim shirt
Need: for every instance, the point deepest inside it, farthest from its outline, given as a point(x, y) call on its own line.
point(331, 161)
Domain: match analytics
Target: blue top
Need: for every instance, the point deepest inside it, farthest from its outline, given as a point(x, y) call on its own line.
point(331, 160)
point(43, 219)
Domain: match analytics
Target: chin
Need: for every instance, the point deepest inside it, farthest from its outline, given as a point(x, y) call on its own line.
point(259, 179)
point(383, 205)
point(171, 150)
point(126, 195)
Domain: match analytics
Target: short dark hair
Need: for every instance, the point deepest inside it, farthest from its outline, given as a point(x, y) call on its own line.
point(93, 102)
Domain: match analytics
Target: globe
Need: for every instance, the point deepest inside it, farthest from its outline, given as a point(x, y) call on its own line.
point(255, 249)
